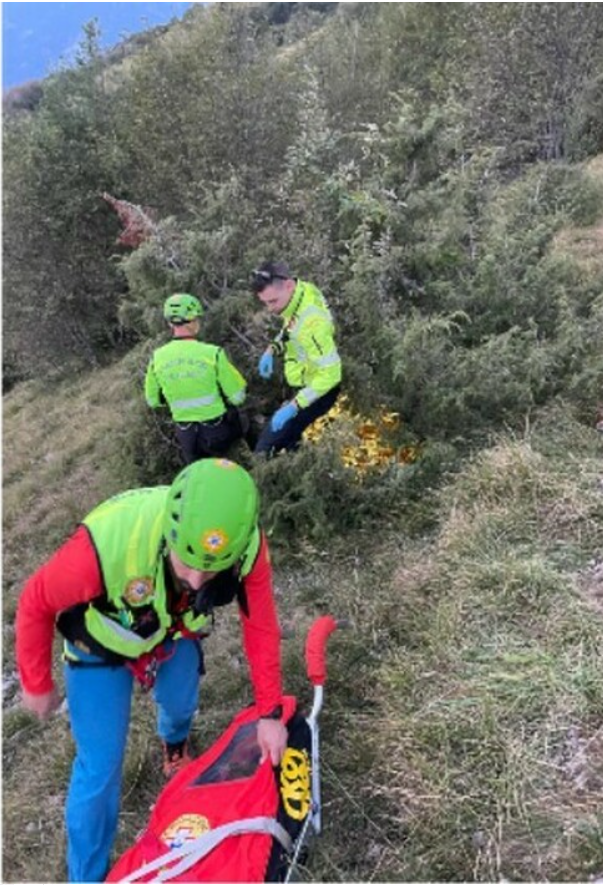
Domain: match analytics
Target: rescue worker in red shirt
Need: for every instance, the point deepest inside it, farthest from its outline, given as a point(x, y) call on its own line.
point(132, 591)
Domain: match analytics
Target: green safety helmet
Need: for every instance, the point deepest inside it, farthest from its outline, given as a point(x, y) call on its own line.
point(182, 308)
point(211, 516)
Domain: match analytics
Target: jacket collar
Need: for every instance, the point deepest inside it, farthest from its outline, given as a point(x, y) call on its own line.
point(294, 304)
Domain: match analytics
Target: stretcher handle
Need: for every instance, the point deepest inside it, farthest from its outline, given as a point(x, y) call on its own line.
point(316, 646)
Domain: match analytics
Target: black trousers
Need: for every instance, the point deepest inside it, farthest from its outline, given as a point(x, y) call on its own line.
point(289, 438)
point(209, 439)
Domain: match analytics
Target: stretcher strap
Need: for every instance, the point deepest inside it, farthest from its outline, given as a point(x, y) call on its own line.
point(195, 850)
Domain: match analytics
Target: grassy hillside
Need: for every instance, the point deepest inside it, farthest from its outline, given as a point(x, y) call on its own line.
point(462, 732)
point(436, 169)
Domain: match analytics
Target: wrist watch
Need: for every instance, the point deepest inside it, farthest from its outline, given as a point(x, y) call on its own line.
point(276, 713)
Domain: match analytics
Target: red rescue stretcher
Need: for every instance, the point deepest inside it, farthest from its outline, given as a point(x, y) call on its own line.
point(225, 817)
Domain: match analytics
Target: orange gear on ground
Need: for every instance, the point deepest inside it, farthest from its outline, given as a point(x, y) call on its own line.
point(372, 450)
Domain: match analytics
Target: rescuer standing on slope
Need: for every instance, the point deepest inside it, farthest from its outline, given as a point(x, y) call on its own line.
point(198, 383)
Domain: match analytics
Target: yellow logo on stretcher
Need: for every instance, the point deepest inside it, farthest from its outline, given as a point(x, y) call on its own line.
point(295, 783)
point(185, 828)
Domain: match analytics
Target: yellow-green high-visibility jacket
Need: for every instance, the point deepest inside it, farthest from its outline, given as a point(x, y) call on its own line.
point(194, 379)
point(311, 359)
point(133, 615)
point(127, 532)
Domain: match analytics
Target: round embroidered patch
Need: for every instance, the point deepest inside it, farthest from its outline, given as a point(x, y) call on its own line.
point(214, 540)
point(138, 590)
point(184, 829)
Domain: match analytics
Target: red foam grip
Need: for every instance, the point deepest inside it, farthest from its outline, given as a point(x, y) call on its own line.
point(316, 646)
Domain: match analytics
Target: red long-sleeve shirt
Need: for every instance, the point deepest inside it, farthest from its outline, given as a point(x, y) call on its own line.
point(72, 575)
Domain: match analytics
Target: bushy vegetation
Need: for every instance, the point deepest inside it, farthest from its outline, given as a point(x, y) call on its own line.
point(400, 155)
point(436, 169)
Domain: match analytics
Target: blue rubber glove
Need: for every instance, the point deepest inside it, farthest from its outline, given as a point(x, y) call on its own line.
point(266, 364)
point(282, 415)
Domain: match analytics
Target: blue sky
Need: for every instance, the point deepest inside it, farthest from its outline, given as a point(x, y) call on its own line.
point(36, 36)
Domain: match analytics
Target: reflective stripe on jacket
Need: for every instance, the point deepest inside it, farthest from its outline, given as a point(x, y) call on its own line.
point(127, 533)
point(193, 378)
point(71, 579)
point(312, 362)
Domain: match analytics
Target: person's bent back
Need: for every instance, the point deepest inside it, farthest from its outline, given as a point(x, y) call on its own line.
point(197, 382)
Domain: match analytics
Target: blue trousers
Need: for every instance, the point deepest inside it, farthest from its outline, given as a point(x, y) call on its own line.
point(99, 701)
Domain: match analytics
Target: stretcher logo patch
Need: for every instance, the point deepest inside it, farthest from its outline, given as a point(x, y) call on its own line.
point(138, 590)
point(214, 540)
point(185, 828)
point(295, 783)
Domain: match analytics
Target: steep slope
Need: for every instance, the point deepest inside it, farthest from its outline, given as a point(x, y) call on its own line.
point(462, 725)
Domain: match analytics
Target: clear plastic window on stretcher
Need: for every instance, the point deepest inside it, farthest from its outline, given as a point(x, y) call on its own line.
point(240, 758)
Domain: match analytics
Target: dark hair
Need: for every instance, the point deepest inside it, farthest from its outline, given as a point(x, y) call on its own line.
point(267, 272)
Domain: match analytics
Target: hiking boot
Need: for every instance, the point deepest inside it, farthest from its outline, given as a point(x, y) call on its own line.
point(175, 757)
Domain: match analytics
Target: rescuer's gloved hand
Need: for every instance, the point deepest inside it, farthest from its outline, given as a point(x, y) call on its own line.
point(266, 364)
point(282, 415)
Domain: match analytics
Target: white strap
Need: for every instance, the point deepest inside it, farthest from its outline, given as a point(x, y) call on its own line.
point(195, 850)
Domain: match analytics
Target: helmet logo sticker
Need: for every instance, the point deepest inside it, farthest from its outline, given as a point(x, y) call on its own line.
point(214, 540)
point(225, 463)
point(138, 591)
